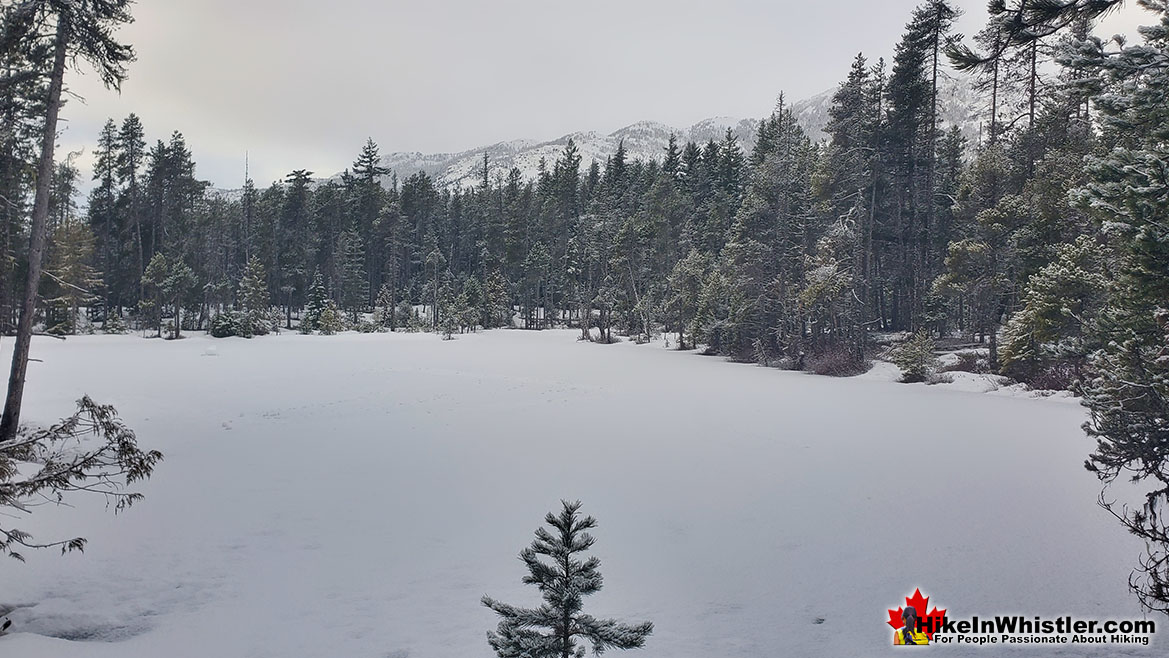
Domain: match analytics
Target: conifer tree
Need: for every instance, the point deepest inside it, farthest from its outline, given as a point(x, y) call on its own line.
point(318, 299)
point(1055, 324)
point(385, 307)
point(556, 567)
point(367, 199)
point(916, 358)
point(330, 321)
point(103, 210)
point(497, 307)
point(350, 279)
point(685, 286)
point(295, 244)
point(672, 164)
point(254, 301)
point(912, 137)
point(131, 158)
point(1129, 396)
point(150, 307)
point(75, 280)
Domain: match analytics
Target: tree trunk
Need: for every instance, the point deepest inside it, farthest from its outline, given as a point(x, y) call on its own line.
point(994, 104)
point(994, 350)
point(178, 319)
point(36, 243)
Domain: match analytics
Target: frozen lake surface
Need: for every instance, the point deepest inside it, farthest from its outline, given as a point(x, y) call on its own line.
point(356, 495)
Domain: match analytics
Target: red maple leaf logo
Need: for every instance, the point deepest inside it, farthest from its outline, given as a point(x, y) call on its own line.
point(919, 603)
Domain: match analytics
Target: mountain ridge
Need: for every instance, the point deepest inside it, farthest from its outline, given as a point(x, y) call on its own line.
point(647, 139)
point(644, 140)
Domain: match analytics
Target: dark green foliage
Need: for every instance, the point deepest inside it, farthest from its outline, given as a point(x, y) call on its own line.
point(330, 321)
point(556, 566)
point(318, 300)
point(253, 297)
point(1128, 191)
point(1055, 323)
point(350, 277)
point(916, 357)
point(74, 281)
point(230, 323)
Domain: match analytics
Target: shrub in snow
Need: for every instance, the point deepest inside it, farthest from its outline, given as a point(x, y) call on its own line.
point(114, 324)
point(367, 327)
point(448, 325)
point(939, 378)
point(245, 324)
point(915, 357)
point(554, 628)
point(837, 361)
point(330, 320)
point(1059, 376)
point(416, 322)
point(968, 362)
point(225, 324)
point(318, 300)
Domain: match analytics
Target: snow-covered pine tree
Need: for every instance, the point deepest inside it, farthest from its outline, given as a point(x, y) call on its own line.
point(552, 630)
point(330, 321)
point(352, 286)
point(253, 293)
point(1054, 327)
point(916, 358)
point(153, 281)
point(318, 299)
point(1129, 189)
point(497, 301)
point(384, 307)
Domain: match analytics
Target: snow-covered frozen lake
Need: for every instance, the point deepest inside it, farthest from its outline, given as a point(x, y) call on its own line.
point(356, 495)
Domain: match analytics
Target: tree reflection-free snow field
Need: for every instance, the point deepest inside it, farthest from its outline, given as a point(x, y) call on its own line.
point(356, 495)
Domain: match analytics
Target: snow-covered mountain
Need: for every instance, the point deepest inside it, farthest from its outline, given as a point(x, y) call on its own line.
point(646, 140)
point(643, 140)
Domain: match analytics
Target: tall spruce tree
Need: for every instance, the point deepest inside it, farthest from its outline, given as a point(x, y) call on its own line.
point(367, 199)
point(103, 209)
point(130, 162)
point(912, 136)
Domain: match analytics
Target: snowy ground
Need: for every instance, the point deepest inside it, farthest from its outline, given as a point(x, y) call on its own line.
point(356, 495)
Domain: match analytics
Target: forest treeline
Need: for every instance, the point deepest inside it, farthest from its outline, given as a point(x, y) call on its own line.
point(789, 252)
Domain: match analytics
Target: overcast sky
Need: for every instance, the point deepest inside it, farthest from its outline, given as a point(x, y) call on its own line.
point(301, 84)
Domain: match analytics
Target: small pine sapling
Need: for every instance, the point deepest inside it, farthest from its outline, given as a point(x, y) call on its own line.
point(916, 359)
point(552, 629)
